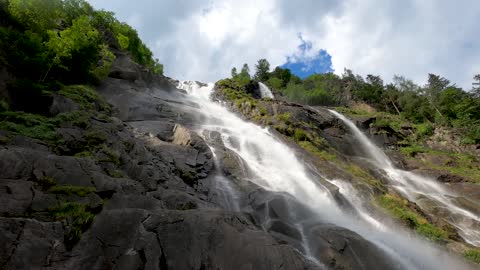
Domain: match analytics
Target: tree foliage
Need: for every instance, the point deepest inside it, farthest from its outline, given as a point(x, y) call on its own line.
point(437, 103)
point(51, 43)
point(261, 70)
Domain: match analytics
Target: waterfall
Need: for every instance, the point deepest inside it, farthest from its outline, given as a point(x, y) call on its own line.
point(265, 92)
point(276, 168)
point(418, 188)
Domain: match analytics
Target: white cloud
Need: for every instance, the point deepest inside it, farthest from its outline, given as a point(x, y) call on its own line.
point(202, 40)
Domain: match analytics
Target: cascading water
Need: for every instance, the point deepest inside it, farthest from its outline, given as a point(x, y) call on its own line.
point(276, 168)
point(265, 92)
point(419, 189)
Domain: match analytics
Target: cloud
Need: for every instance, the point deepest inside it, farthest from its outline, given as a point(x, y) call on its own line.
point(204, 39)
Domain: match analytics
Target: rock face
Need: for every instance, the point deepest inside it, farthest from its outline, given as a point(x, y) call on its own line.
point(140, 191)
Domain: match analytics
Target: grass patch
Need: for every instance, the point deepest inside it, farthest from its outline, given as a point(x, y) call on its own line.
point(398, 207)
point(29, 125)
point(114, 173)
point(354, 111)
point(86, 97)
point(461, 164)
point(111, 155)
point(300, 135)
point(284, 117)
point(324, 155)
point(413, 150)
point(423, 130)
point(40, 127)
point(472, 255)
point(362, 174)
point(46, 181)
point(72, 190)
point(76, 219)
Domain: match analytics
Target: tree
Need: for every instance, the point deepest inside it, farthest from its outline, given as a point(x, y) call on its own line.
point(262, 68)
point(476, 86)
point(38, 15)
point(433, 90)
point(234, 72)
point(76, 8)
point(64, 43)
point(285, 75)
point(245, 71)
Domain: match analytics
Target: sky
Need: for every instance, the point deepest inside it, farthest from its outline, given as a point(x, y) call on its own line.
point(203, 39)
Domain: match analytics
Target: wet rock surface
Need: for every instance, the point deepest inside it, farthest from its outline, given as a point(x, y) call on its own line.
point(147, 197)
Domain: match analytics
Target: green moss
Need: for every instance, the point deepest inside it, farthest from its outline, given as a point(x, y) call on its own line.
point(354, 112)
point(262, 111)
point(94, 137)
point(72, 190)
point(46, 181)
point(188, 177)
point(112, 155)
point(77, 218)
point(363, 175)
point(114, 173)
point(284, 117)
point(40, 127)
point(324, 155)
point(85, 153)
point(472, 255)
point(300, 135)
point(86, 97)
point(29, 125)
point(80, 119)
point(413, 150)
point(423, 130)
point(461, 164)
point(386, 120)
point(398, 207)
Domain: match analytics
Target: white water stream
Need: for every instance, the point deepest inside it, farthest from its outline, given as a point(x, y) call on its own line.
point(265, 91)
point(276, 168)
point(420, 189)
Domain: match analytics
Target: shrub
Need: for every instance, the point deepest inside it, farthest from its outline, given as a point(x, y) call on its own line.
point(72, 190)
point(473, 255)
point(77, 217)
point(300, 135)
point(424, 130)
point(398, 207)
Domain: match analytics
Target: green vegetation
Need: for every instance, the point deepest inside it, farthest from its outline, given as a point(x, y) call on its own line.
point(324, 155)
point(398, 207)
point(472, 255)
point(110, 155)
point(46, 181)
point(72, 190)
point(413, 150)
point(86, 97)
point(30, 125)
point(55, 46)
point(438, 103)
point(77, 216)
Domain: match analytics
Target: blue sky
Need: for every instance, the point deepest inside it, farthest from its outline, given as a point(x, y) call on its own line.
point(203, 39)
point(307, 61)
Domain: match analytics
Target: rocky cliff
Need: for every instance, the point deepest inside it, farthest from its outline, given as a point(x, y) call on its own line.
point(120, 181)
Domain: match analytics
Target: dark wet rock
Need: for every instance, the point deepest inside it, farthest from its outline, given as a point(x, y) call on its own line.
point(62, 104)
point(29, 244)
point(216, 240)
point(15, 197)
point(339, 248)
point(29, 143)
